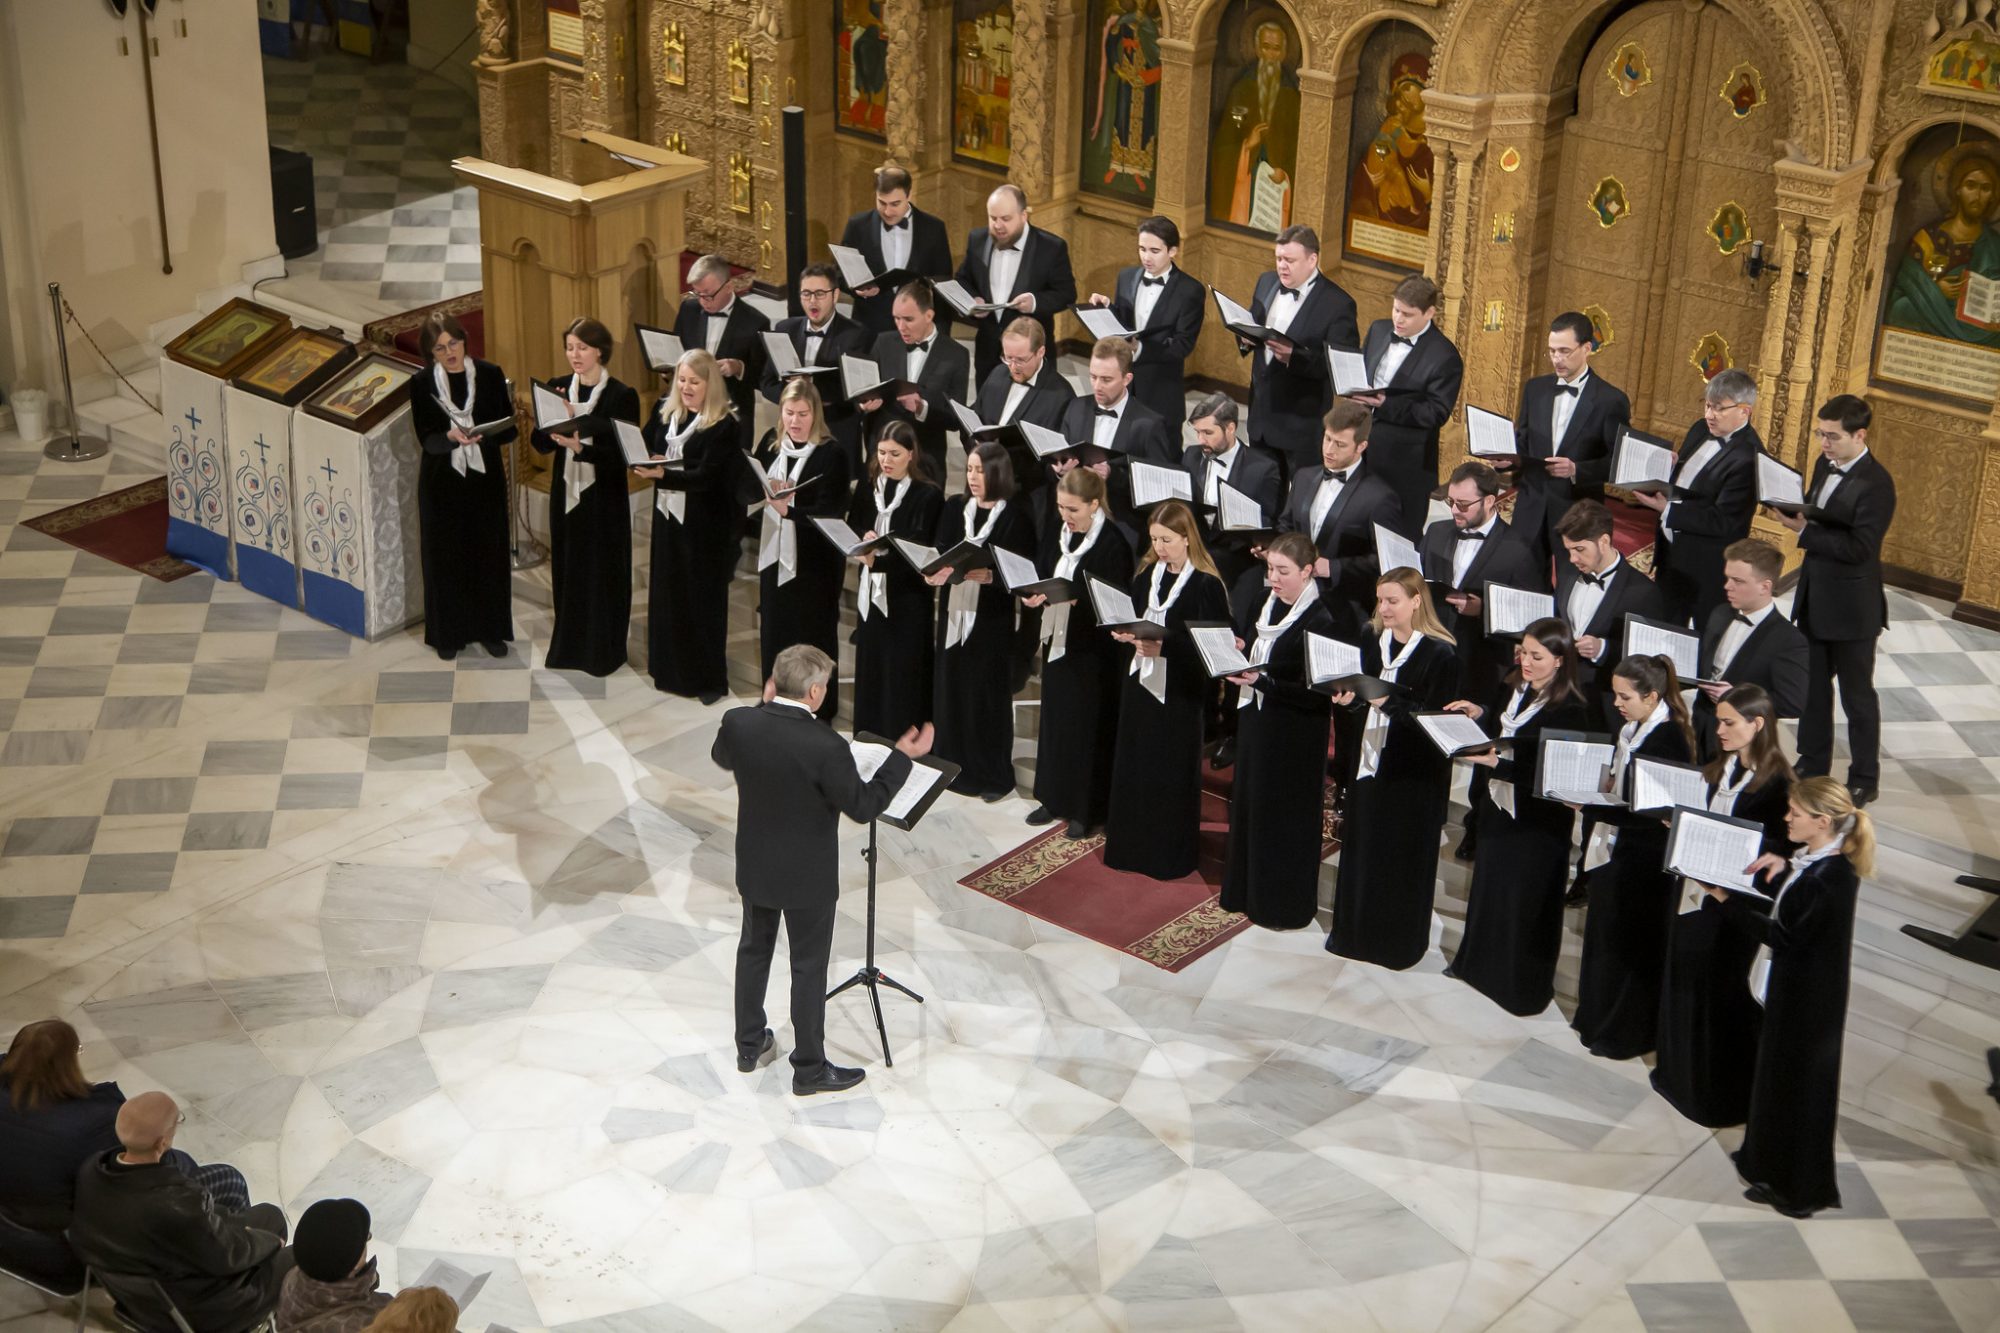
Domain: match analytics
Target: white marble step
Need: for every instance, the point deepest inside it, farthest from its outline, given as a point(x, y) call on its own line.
point(137, 434)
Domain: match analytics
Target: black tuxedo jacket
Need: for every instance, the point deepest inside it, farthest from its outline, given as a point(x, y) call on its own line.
point(1346, 539)
point(1716, 511)
point(740, 341)
point(1773, 656)
point(1288, 399)
point(1142, 434)
point(1840, 582)
point(930, 257)
point(843, 338)
point(943, 381)
point(1044, 274)
point(1254, 474)
point(795, 778)
point(1045, 404)
point(1630, 592)
point(1602, 410)
point(1426, 394)
point(1167, 340)
point(1502, 558)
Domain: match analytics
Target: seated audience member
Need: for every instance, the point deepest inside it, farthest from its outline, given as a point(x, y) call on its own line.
point(333, 1289)
point(417, 1310)
point(148, 1228)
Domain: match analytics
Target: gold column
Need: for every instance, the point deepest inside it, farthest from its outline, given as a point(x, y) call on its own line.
point(909, 83)
point(1460, 130)
point(1028, 121)
point(1309, 188)
point(1180, 184)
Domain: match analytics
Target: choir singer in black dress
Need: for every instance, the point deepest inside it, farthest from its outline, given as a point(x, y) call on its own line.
point(695, 546)
point(974, 702)
point(1082, 671)
point(1514, 907)
point(1153, 826)
point(1277, 822)
point(1806, 934)
point(1631, 897)
point(462, 495)
point(894, 640)
point(590, 514)
point(1396, 804)
point(1709, 1020)
point(799, 577)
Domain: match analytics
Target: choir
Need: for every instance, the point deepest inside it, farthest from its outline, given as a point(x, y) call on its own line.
point(1098, 545)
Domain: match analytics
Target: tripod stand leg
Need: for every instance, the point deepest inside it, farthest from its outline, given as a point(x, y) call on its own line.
point(887, 980)
point(857, 979)
point(881, 1028)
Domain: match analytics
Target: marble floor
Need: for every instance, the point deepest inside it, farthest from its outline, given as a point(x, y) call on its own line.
point(455, 939)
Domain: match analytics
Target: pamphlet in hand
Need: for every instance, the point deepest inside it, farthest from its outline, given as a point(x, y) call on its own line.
point(1489, 435)
point(485, 428)
point(962, 559)
point(1241, 322)
point(1781, 488)
point(929, 777)
point(1153, 484)
point(1642, 462)
point(1350, 371)
point(1022, 579)
point(1714, 849)
point(1659, 786)
point(1575, 767)
point(964, 302)
point(1215, 640)
point(1102, 323)
point(771, 492)
point(855, 274)
point(1116, 613)
point(633, 441)
point(662, 349)
point(1512, 610)
point(552, 412)
point(1049, 444)
point(861, 378)
point(1395, 551)
point(1333, 666)
point(1456, 734)
point(453, 1281)
point(785, 359)
point(851, 543)
point(1673, 642)
point(919, 555)
point(1237, 513)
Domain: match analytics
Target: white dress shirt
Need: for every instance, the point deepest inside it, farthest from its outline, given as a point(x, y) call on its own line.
point(1733, 636)
point(1146, 295)
point(1284, 308)
point(1105, 428)
point(1684, 476)
point(718, 320)
point(1330, 487)
point(896, 242)
point(914, 356)
point(815, 336)
point(1218, 472)
point(1003, 267)
point(1584, 599)
point(1834, 476)
point(1564, 407)
point(1016, 395)
point(1465, 549)
point(1395, 354)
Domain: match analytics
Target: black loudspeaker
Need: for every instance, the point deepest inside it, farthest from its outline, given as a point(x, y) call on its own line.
point(292, 209)
point(793, 119)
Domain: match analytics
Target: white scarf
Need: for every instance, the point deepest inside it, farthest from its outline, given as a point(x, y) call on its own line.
point(1630, 736)
point(962, 601)
point(673, 504)
point(582, 476)
point(1055, 619)
point(1375, 732)
point(1152, 671)
point(1512, 719)
point(1760, 966)
point(778, 542)
point(461, 417)
point(874, 593)
point(1269, 631)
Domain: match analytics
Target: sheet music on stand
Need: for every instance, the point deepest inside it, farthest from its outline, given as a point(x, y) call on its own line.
point(662, 349)
point(1101, 322)
point(1215, 640)
point(453, 1281)
point(1673, 642)
point(1153, 484)
point(928, 779)
point(1660, 785)
point(1713, 849)
point(1512, 610)
point(1573, 766)
point(1350, 371)
point(1642, 462)
point(1489, 435)
point(1395, 551)
point(1456, 734)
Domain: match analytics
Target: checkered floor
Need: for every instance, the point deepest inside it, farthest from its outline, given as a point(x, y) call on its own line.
point(382, 138)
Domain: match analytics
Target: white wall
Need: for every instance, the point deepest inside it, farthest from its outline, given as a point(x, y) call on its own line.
point(436, 28)
point(76, 178)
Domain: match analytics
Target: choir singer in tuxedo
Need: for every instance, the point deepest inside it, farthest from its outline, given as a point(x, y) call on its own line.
point(895, 236)
point(1566, 428)
point(1464, 553)
point(1291, 382)
point(1112, 418)
point(925, 355)
point(1595, 590)
point(1416, 373)
point(1165, 308)
point(712, 317)
point(1839, 602)
point(795, 778)
point(1009, 263)
point(1715, 497)
point(1219, 457)
point(820, 337)
point(1025, 386)
point(1746, 641)
point(1337, 502)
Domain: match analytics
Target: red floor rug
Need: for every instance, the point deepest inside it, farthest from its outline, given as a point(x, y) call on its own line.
point(1168, 923)
point(127, 527)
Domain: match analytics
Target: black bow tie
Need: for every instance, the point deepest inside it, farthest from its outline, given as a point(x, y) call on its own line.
point(1833, 471)
point(1571, 389)
point(1471, 535)
point(923, 346)
point(1111, 412)
point(1398, 338)
point(1340, 477)
point(1594, 580)
point(819, 332)
point(904, 225)
point(1007, 249)
point(1152, 282)
point(1742, 619)
point(1289, 291)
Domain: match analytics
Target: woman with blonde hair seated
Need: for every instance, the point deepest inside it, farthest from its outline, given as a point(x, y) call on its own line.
point(417, 1310)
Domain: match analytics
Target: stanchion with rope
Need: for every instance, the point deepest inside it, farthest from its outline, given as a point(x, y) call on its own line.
point(78, 448)
point(523, 551)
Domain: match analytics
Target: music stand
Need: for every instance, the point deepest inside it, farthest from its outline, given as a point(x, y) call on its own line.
point(868, 974)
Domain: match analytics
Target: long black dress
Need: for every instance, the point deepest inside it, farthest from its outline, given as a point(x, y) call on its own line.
point(894, 651)
point(974, 703)
point(1632, 902)
point(1392, 822)
point(806, 607)
point(1795, 1095)
point(1709, 1021)
point(1514, 907)
point(1153, 826)
point(590, 547)
point(694, 555)
point(1079, 707)
point(462, 520)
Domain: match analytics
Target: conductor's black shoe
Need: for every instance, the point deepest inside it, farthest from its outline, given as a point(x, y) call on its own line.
point(830, 1078)
point(1863, 795)
point(750, 1064)
point(1078, 831)
point(446, 654)
point(708, 697)
point(1224, 756)
point(1468, 846)
point(1039, 816)
point(495, 647)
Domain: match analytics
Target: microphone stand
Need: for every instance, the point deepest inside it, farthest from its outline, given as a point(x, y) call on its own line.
point(870, 975)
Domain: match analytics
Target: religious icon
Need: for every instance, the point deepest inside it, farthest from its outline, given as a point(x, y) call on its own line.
point(1710, 355)
point(1729, 227)
point(739, 72)
point(1607, 201)
point(1254, 120)
point(860, 67)
point(1496, 317)
point(1503, 229)
point(1941, 316)
point(1967, 65)
point(1628, 69)
point(362, 395)
point(297, 364)
point(229, 338)
point(1510, 159)
point(1600, 326)
point(1121, 98)
point(983, 73)
point(674, 55)
point(1743, 90)
point(1389, 160)
point(739, 183)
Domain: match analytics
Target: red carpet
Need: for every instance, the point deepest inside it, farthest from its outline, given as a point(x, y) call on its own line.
point(1166, 923)
point(127, 527)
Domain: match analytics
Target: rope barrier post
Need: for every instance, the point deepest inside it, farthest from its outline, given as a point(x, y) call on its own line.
point(78, 448)
point(523, 551)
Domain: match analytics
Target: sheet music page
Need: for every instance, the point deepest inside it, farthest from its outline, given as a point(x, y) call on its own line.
point(954, 292)
point(453, 1281)
point(1042, 440)
point(968, 420)
point(916, 553)
point(915, 787)
point(1682, 648)
point(854, 271)
point(1575, 771)
point(1452, 732)
point(633, 441)
point(1636, 462)
point(1112, 605)
point(1778, 483)
point(1512, 610)
point(1152, 483)
point(663, 350)
point(1267, 198)
point(1217, 646)
point(844, 537)
point(1395, 551)
point(1238, 512)
point(1350, 371)
point(1713, 851)
point(1232, 313)
point(1016, 571)
point(551, 409)
point(1330, 659)
point(778, 347)
point(1102, 323)
point(1488, 434)
point(857, 373)
point(1662, 786)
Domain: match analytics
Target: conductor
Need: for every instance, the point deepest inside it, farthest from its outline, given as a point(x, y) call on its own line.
point(795, 777)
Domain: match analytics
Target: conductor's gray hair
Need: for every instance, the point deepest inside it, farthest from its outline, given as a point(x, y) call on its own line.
point(1731, 386)
point(798, 669)
point(706, 267)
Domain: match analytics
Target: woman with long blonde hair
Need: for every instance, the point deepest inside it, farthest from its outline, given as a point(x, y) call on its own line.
point(1153, 825)
point(419, 1309)
point(800, 573)
point(1396, 804)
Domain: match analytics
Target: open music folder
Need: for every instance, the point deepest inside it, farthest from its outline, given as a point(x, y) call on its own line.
point(929, 777)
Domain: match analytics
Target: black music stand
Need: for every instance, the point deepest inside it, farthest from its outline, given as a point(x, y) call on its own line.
point(869, 975)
